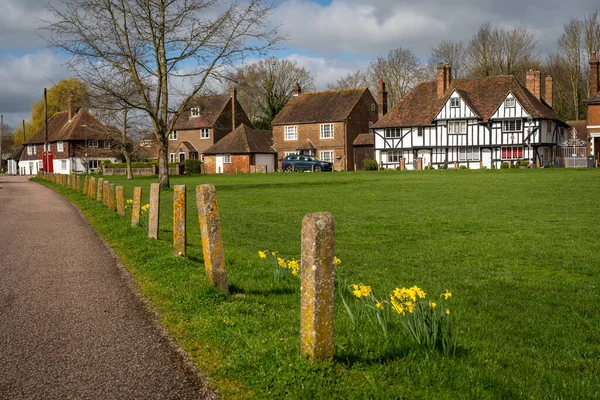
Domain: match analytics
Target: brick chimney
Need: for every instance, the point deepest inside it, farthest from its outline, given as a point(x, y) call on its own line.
point(441, 80)
point(297, 90)
point(71, 106)
point(533, 82)
point(548, 91)
point(233, 101)
point(383, 99)
point(448, 74)
point(594, 76)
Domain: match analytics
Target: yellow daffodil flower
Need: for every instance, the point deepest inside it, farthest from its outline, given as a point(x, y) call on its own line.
point(262, 254)
point(447, 295)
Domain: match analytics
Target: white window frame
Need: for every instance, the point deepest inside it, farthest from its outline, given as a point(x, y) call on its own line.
point(204, 133)
point(172, 157)
point(29, 149)
point(510, 103)
point(290, 132)
point(226, 158)
point(420, 131)
point(507, 128)
point(287, 153)
point(92, 143)
point(454, 102)
point(455, 127)
point(323, 157)
point(63, 165)
point(106, 144)
point(393, 132)
point(468, 153)
point(60, 147)
point(173, 135)
point(325, 134)
point(394, 156)
point(194, 112)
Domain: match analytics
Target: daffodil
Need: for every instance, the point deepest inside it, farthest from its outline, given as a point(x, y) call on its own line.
point(336, 261)
point(281, 262)
point(447, 311)
point(433, 304)
point(262, 254)
point(379, 305)
point(447, 295)
point(294, 266)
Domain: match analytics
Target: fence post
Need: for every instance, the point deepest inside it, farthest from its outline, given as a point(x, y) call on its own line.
point(86, 185)
point(105, 192)
point(92, 188)
point(154, 212)
point(212, 243)
point(136, 207)
point(100, 194)
point(111, 197)
point(120, 201)
point(179, 232)
point(317, 289)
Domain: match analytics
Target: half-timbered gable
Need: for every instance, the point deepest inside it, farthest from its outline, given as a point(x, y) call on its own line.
point(468, 122)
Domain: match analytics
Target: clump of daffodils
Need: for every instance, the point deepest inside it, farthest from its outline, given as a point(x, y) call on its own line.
point(283, 268)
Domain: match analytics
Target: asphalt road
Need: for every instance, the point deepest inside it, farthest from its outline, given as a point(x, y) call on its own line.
point(71, 326)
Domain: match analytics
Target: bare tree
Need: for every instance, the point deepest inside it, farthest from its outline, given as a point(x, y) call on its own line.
point(266, 86)
point(353, 80)
point(451, 52)
point(570, 53)
point(400, 70)
point(591, 38)
point(152, 44)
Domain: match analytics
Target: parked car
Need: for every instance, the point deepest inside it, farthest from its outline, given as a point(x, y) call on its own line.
point(300, 162)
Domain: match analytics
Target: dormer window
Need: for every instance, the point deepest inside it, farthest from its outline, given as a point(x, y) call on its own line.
point(195, 112)
point(454, 102)
point(510, 103)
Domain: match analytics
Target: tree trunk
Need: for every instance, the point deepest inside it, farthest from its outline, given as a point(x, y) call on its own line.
point(163, 161)
point(129, 167)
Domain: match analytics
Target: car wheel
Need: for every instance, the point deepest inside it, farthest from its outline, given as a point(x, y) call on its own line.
point(317, 168)
point(289, 168)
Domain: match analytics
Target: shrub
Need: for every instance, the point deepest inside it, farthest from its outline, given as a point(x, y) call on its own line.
point(193, 167)
point(463, 167)
point(504, 165)
point(370, 165)
point(522, 163)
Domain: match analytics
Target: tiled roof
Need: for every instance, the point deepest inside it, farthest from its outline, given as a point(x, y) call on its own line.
point(364, 139)
point(83, 126)
point(483, 95)
point(210, 109)
point(188, 145)
point(580, 128)
point(308, 145)
point(16, 155)
point(328, 106)
point(244, 140)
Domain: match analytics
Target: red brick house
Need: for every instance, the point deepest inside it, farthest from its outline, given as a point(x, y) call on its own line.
point(593, 109)
point(244, 150)
point(77, 142)
point(207, 120)
point(324, 124)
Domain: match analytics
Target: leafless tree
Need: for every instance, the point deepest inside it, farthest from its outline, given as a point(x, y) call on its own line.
point(570, 54)
point(264, 87)
point(591, 37)
point(353, 80)
point(451, 52)
point(155, 43)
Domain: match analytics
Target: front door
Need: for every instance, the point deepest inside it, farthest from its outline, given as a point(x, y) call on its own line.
point(486, 158)
point(219, 164)
point(181, 157)
point(426, 156)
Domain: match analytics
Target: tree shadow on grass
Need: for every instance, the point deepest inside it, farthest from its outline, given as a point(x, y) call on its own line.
point(236, 289)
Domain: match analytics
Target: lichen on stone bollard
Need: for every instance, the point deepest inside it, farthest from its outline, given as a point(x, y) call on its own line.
point(111, 197)
point(212, 243)
point(179, 228)
point(120, 201)
point(86, 185)
point(105, 192)
point(100, 193)
point(92, 188)
point(154, 212)
point(136, 207)
point(317, 288)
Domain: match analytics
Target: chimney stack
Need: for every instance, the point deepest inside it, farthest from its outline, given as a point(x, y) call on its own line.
point(548, 91)
point(297, 90)
point(533, 82)
point(448, 75)
point(594, 77)
point(233, 101)
point(383, 99)
point(70, 106)
point(441, 80)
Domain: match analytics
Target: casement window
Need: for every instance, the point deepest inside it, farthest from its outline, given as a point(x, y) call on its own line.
point(92, 143)
point(420, 131)
point(29, 149)
point(370, 124)
point(204, 133)
point(63, 164)
point(457, 127)
point(468, 154)
point(326, 131)
point(393, 132)
point(195, 112)
point(512, 125)
point(510, 103)
point(173, 135)
point(372, 106)
point(290, 133)
point(106, 144)
point(226, 158)
point(326, 155)
point(93, 164)
point(454, 102)
point(394, 156)
point(46, 147)
point(288, 153)
point(60, 147)
point(172, 157)
point(512, 152)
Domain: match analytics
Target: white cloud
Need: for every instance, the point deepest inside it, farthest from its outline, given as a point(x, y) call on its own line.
point(20, 21)
point(327, 70)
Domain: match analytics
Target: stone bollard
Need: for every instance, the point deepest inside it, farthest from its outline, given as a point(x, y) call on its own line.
point(154, 212)
point(86, 185)
point(318, 289)
point(212, 243)
point(78, 186)
point(111, 197)
point(99, 196)
point(105, 192)
point(136, 207)
point(179, 236)
point(402, 164)
point(120, 201)
point(91, 187)
point(419, 164)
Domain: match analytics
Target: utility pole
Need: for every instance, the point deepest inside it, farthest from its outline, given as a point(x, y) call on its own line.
point(23, 131)
point(46, 129)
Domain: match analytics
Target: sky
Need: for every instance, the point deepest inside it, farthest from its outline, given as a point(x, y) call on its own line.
point(330, 38)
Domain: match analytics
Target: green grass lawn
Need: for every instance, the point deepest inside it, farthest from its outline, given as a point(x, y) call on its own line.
point(519, 250)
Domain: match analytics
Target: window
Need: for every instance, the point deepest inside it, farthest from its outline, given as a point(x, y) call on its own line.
point(511, 152)
point(455, 102)
point(289, 153)
point(326, 156)
point(173, 135)
point(372, 106)
point(93, 164)
point(204, 133)
point(510, 103)
point(29, 149)
point(63, 164)
point(106, 144)
point(420, 131)
point(92, 143)
point(370, 124)
point(172, 157)
point(60, 147)
point(512, 125)
point(195, 112)
point(290, 133)
point(326, 131)
point(457, 127)
point(394, 156)
point(393, 132)
point(227, 158)
point(468, 154)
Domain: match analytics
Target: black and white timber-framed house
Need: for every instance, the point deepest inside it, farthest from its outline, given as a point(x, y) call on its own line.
point(475, 123)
